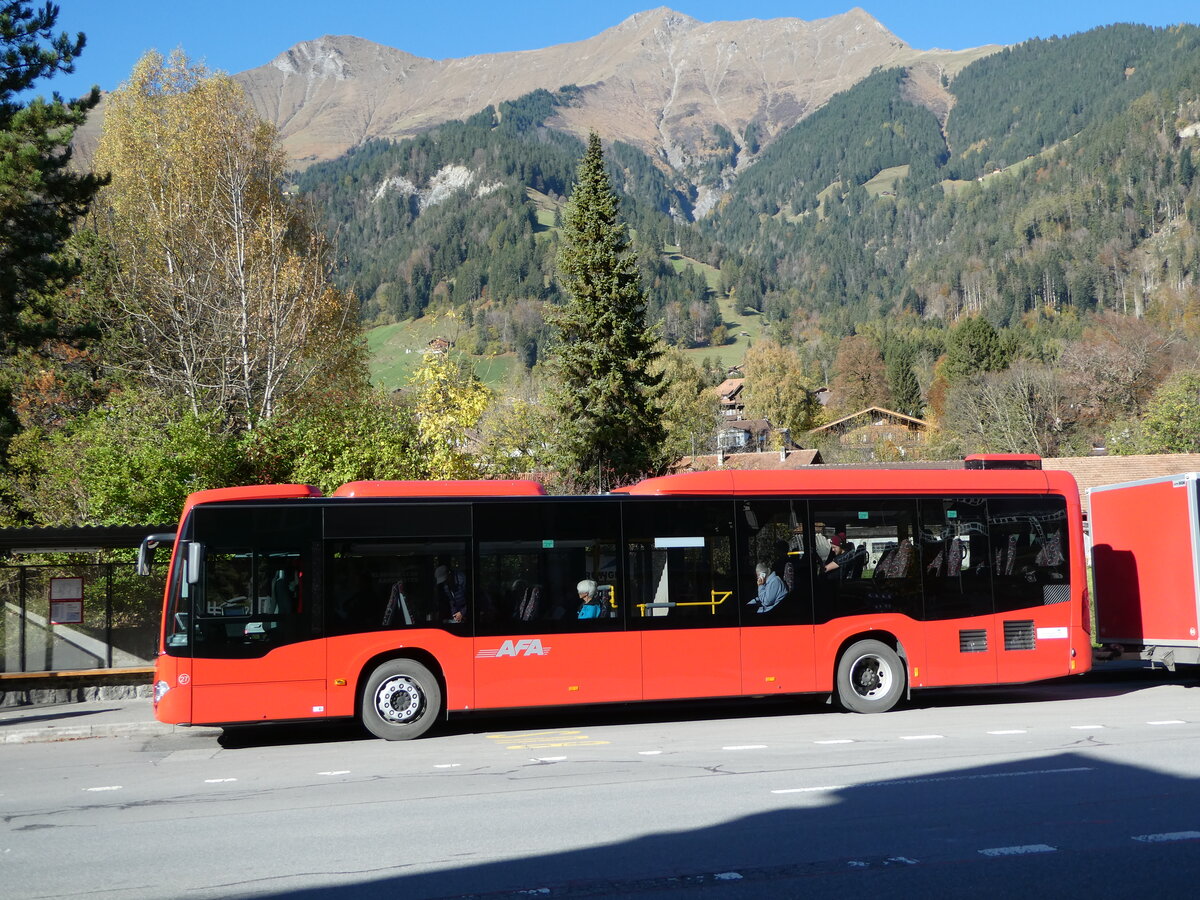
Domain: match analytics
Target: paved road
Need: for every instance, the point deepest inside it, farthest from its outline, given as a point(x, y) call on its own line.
point(994, 793)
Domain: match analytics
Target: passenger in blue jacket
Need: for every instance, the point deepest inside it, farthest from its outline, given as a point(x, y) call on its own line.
point(589, 600)
point(771, 589)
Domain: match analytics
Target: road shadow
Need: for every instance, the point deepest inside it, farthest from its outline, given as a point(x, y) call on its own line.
point(1065, 822)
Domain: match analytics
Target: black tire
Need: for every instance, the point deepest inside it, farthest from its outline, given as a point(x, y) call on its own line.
point(401, 700)
point(870, 677)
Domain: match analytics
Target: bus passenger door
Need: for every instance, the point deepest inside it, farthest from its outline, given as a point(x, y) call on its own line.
point(777, 643)
point(683, 597)
point(255, 617)
point(961, 636)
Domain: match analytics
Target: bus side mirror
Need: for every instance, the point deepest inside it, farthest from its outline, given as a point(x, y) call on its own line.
point(145, 554)
point(144, 558)
point(195, 553)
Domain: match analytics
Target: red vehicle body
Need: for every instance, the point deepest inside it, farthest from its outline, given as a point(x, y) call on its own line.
point(400, 602)
point(1146, 567)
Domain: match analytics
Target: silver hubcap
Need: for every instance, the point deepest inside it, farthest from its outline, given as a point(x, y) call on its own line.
point(871, 677)
point(398, 700)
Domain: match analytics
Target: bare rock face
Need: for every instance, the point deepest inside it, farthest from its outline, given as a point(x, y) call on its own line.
point(660, 80)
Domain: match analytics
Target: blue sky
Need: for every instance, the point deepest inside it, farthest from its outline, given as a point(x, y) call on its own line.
point(233, 35)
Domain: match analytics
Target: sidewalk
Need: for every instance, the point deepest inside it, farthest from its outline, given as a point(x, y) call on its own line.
point(89, 719)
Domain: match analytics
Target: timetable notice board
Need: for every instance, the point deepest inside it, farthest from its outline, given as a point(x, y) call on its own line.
point(66, 601)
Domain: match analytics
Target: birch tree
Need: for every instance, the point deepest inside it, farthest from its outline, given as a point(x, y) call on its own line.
point(217, 287)
point(779, 389)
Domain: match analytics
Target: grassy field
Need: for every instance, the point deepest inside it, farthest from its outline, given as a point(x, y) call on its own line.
point(395, 351)
point(885, 181)
point(953, 187)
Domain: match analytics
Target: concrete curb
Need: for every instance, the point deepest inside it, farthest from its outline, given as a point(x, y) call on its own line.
point(51, 733)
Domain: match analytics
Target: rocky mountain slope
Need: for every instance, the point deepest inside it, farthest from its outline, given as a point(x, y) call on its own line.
point(666, 83)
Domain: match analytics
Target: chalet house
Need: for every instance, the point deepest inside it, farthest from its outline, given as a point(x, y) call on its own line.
point(439, 345)
point(729, 392)
point(752, 436)
point(876, 427)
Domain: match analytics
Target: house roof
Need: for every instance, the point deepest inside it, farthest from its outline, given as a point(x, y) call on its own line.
point(874, 411)
point(728, 388)
point(764, 460)
point(1095, 471)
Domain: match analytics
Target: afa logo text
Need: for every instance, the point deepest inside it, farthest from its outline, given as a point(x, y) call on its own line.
point(523, 647)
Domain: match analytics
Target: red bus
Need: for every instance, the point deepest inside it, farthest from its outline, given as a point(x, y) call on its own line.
point(400, 603)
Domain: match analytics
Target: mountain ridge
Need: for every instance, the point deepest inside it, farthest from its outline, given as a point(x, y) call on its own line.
point(659, 80)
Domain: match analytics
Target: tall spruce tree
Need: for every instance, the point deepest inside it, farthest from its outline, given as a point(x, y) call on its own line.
point(40, 196)
point(902, 380)
point(609, 428)
point(972, 348)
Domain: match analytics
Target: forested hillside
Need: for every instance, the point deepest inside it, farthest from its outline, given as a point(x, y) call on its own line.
point(1096, 181)
point(1086, 215)
point(464, 216)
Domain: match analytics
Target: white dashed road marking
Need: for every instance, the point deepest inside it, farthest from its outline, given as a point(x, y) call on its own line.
point(1017, 851)
point(337, 772)
point(1168, 722)
point(649, 752)
point(1169, 836)
point(218, 780)
point(841, 741)
point(1087, 727)
point(746, 747)
point(937, 779)
point(922, 737)
point(111, 787)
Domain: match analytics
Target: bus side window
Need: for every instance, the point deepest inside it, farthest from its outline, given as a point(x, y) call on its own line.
point(680, 564)
point(872, 562)
point(532, 558)
point(772, 533)
point(1031, 566)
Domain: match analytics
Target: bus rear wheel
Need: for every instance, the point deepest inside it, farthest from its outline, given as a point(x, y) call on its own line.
point(401, 700)
point(870, 677)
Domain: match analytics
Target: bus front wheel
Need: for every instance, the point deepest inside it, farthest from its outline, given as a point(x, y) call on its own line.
point(870, 677)
point(401, 700)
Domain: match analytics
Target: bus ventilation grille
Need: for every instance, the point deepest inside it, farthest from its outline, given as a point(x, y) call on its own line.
point(972, 640)
point(1018, 635)
point(1055, 593)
